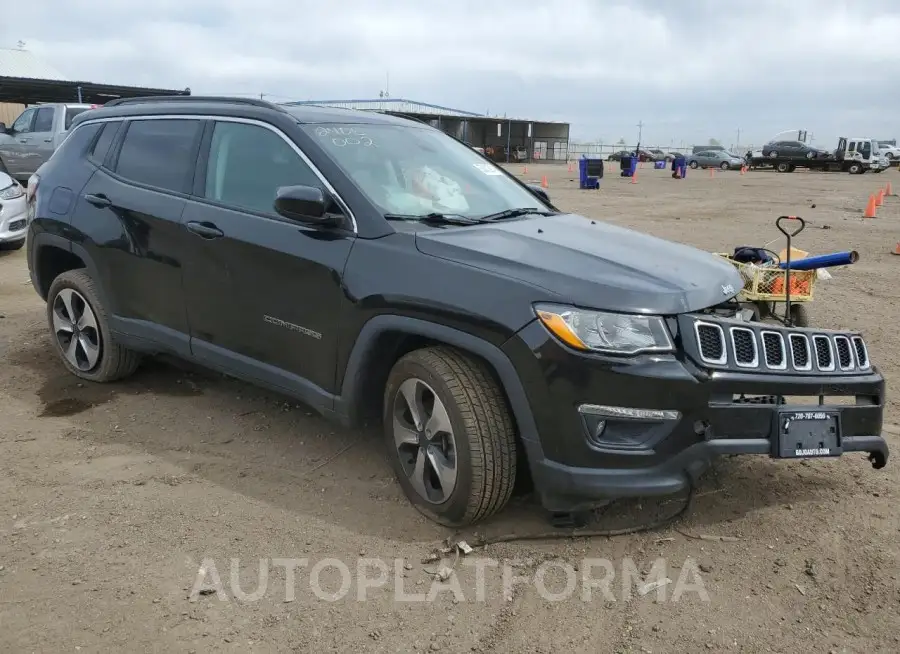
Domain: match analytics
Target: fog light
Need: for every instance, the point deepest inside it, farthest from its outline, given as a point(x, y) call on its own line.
point(628, 413)
point(624, 428)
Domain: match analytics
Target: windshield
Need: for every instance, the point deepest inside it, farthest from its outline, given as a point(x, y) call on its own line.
point(416, 171)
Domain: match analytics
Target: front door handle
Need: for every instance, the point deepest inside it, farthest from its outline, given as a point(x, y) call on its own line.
point(100, 201)
point(205, 230)
point(24, 140)
point(48, 140)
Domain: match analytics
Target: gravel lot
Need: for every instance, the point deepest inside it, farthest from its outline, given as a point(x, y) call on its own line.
point(111, 497)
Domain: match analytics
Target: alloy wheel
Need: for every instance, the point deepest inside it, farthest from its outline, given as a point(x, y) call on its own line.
point(75, 329)
point(426, 445)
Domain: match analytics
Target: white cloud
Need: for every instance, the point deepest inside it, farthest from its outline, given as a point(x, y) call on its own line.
point(689, 69)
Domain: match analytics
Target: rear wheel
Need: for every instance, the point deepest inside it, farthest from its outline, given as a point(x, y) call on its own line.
point(724, 165)
point(450, 436)
point(80, 332)
point(694, 165)
point(783, 167)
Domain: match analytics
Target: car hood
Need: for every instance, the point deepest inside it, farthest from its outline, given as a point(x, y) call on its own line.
point(590, 263)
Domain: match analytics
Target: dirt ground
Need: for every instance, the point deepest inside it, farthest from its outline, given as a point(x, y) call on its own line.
point(112, 496)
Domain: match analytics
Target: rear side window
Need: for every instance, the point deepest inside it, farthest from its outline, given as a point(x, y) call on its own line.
point(101, 147)
point(160, 153)
point(71, 112)
point(43, 121)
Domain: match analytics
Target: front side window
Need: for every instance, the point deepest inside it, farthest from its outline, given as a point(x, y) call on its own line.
point(415, 170)
point(159, 153)
point(23, 122)
point(247, 165)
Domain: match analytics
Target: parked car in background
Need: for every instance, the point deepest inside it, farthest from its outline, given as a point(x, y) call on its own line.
point(890, 151)
point(715, 159)
point(793, 150)
point(34, 136)
point(663, 155)
point(617, 156)
point(13, 223)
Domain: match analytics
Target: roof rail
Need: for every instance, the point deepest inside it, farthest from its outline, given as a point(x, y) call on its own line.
point(192, 98)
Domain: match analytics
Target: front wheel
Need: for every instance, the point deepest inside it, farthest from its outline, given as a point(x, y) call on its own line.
point(725, 165)
point(855, 169)
point(694, 165)
point(450, 436)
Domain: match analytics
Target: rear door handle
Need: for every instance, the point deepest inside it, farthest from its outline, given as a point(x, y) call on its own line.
point(48, 140)
point(24, 140)
point(205, 230)
point(100, 201)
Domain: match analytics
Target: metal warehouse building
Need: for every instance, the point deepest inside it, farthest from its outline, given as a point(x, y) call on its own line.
point(501, 137)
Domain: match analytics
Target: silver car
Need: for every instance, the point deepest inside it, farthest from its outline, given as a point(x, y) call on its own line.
point(715, 159)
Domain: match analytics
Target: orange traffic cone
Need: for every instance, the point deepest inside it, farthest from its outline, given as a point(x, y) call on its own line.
point(544, 182)
point(570, 169)
point(742, 170)
point(870, 208)
point(712, 172)
point(524, 170)
point(888, 190)
point(879, 197)
point(634, 177)
point(896, 249)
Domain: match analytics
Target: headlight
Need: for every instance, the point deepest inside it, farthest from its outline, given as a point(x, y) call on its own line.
point(599, 331)
point(12, 192)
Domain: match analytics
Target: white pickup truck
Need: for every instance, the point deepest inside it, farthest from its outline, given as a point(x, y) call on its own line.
point(34, 136)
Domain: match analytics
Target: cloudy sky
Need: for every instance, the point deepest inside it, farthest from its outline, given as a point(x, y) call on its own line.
point(690, 70)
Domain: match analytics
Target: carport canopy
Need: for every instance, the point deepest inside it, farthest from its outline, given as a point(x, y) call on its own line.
point(22, 90)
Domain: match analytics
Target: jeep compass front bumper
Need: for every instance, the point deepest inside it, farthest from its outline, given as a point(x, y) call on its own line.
point(626, 427)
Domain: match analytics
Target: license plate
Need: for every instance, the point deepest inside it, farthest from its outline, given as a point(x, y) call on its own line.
point(808, 434)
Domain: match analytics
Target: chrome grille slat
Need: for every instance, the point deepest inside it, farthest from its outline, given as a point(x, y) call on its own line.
point(741, 339)
point(844, 352)
point(824, 353)
point(711, 342)
point(774, 353)
point(862, 352)
point(801, 353)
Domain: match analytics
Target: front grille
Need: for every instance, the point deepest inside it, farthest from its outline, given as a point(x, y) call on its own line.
point(711, 340)
point(824, 353)
point(800, 351)
point(844, 353)
point(862, 352)
point(16, 225)
point(753, 346)
point(773, 350)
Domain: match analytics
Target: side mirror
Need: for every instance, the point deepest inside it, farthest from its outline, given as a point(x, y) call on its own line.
point(539, 191)
point(3, 128)
point(304, 204)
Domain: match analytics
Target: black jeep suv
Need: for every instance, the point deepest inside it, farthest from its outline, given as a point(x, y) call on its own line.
point(375, 267)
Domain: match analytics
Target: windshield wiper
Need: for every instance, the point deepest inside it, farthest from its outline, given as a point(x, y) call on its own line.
point(515, 213)
point(435, 218)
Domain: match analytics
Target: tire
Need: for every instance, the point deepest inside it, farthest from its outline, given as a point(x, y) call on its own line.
point(810, 155)
point(694, 165)
point(725, 166)
point(890, 156)
point(855, 169)
point(783, 167)
point(773, 154)
point(481, 431)
point(112, 361)
point(8, 246)
point(799, 315)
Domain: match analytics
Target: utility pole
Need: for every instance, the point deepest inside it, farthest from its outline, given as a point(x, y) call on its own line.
point(738, 144)
point(640, 127)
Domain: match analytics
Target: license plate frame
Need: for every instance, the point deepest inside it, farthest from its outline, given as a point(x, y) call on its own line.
point(808, 434)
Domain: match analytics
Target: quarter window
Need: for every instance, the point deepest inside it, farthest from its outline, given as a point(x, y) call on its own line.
point(248, 163)
point(101, 147)
point(160, 153)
